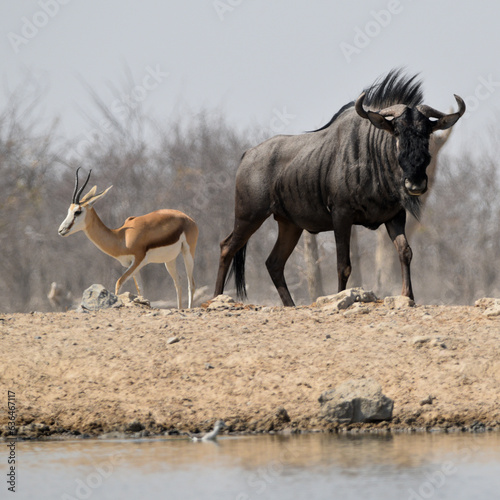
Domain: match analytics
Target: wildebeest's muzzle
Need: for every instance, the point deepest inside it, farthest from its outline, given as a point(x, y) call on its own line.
point(416, 188)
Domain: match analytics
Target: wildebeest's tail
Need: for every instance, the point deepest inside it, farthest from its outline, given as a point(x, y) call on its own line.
point(238, 268)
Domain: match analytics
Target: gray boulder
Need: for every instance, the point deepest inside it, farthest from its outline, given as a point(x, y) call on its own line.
point(97, 297)
point(356, 401)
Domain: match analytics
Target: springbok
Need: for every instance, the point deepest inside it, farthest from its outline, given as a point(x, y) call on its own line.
point(157, 237)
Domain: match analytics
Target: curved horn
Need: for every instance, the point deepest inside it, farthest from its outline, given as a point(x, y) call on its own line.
point(376, 118)
point(76, 195)
point(359, 106)
point(444, 120)
point(394, 111)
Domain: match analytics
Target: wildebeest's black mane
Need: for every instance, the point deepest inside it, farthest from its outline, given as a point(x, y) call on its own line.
point(394, 88)
point(335, 116)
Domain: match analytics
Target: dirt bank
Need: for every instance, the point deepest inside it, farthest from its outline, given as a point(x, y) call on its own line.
point(115, 370)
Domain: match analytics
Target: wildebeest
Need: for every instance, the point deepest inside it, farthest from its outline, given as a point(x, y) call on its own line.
point(366, 166)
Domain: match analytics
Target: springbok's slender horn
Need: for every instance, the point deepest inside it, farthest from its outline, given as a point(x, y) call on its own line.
point(76, 195)
point(76, 185)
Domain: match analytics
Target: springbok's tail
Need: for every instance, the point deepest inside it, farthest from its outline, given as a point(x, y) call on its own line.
point(238, 268)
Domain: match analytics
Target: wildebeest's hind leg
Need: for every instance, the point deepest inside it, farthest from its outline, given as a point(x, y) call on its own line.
point(396, 230)
point(229, 246)
point(288, 236)
point(343, 239)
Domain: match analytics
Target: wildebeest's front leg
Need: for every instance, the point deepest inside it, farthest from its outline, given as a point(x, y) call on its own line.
point(396, 230)
point(343, 240)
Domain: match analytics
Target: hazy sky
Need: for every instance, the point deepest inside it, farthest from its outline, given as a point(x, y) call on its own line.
point(286, 66)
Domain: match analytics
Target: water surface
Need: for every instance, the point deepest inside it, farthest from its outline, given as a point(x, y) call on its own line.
point(313, 466)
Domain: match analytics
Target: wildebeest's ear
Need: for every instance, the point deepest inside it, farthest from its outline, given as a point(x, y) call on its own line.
point(380, 121)
point(445, 122)
point(377, 119)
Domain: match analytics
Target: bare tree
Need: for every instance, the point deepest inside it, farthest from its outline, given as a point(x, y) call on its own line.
point(190, 164)
point(26, 162)
point(313, 271)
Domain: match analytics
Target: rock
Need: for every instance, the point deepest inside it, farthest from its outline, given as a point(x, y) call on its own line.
point(173, 340)
point(356, 309)
point(346, 298)
point(221, 302)
point(134, 427)
point(282, 414)
point(398, 302)
point(362, 295)
point(428, 400)
point(337, 302)
point(97, 297)
point(356, 401)
point(487, 302)
point(437, 342)
point(491, 305)
point(492, 311)
point(142, 301)
point(418, 341)
point(277, 420)
point(425, 339)
point(129, 300)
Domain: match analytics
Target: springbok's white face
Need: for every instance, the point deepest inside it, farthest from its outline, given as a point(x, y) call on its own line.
point(77, 219)
point(74, 221)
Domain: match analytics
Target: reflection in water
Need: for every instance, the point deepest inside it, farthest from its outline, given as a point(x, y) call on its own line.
point(312, 466)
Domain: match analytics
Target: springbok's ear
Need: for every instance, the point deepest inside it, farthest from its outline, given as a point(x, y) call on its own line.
point(380, 121)
point(92, 200)
point(89, 195)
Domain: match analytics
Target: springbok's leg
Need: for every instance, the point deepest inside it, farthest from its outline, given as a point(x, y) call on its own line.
point(135, 266)
point(288, 236)
point(342, 240)
point(137, 286)
point(189, 265)
point(242, 231)
point(172, 270)
point(396, 230)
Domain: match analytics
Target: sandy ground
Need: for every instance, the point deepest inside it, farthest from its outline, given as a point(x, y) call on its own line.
point(114, 371)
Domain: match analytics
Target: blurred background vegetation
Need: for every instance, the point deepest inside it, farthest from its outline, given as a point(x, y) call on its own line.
point(190, 164)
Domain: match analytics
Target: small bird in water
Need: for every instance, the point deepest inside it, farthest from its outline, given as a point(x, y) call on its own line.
point(212, 435)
